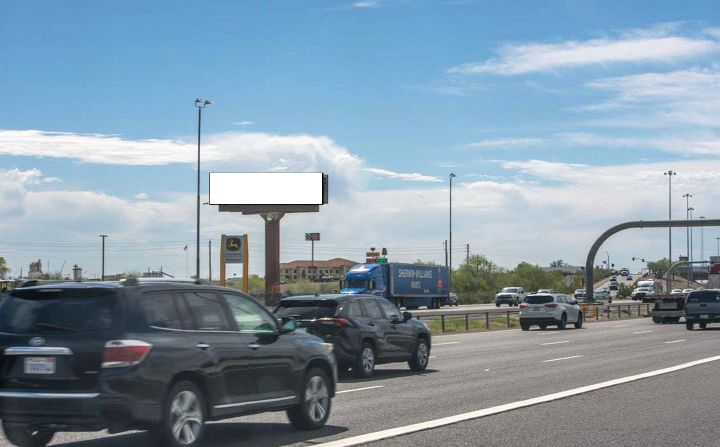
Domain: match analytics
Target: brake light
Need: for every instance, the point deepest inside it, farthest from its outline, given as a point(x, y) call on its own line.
point(333, 321)
point(551, 305)
point(120, 353)
point(523, 305)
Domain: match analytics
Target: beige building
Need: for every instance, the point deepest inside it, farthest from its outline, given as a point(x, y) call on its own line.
point(324, 271)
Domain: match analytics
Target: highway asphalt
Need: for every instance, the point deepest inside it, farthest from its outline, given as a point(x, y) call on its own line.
point(472, 372)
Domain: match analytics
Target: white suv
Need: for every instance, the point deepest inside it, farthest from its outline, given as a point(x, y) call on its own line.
point(545, 309)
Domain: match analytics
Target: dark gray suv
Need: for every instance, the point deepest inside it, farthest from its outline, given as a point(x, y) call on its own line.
point(366, 330)
point(152, 355)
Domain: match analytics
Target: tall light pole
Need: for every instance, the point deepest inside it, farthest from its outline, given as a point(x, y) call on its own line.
point(718, 244)
point(200, 104)
point(608, 261)
point(450, 243)
point(687, 237)
point(103, 236)
point(670, 176)
point(690, 210)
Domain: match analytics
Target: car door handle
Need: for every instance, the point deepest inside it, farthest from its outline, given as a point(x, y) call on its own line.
point(202, 346)
point(253, 345)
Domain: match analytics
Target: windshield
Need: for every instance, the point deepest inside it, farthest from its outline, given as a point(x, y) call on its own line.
point(356, 284)
point(510, 290)
point(57, 310)
point(580, 291)
point(306, 310)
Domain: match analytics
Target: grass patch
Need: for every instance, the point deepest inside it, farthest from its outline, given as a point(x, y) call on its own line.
point(474, 325)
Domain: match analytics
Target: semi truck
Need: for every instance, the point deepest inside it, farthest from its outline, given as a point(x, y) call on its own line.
point(406, 285)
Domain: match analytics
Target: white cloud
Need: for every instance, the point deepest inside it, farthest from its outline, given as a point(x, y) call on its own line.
point(506, 143)
point(657, 44)
point(243, 123)
point(141, 196)
point(415, 177)
point(366, 4)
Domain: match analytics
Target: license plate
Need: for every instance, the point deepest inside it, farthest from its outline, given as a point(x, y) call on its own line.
point(703, 316)
point(301, 329)
point(535, 308)
point(39, 365)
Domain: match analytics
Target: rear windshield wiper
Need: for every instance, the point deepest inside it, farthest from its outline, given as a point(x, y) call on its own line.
point(55, 326)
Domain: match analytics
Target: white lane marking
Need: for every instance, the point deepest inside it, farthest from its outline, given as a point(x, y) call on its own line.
point(360, 389)
point(448, 343)
point(674, 341)
point(562, 358)
point(641, 332)
point(399, 431)
point(554, 343)
point(622, 325)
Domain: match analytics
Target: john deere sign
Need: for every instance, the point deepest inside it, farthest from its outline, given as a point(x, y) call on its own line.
point(234, 249)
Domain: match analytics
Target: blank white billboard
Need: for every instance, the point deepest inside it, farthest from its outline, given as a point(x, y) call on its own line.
point(266, 188)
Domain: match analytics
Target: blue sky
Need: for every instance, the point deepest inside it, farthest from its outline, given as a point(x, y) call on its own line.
point(558, 117)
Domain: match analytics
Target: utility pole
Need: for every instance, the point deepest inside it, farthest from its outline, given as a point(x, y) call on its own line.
point(210, 260)
point(103, 236)
point(670, 175)
point(445, 247)
point(687, 216)
point(467, 257)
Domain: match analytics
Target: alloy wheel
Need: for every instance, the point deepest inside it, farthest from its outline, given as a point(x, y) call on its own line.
point(317, 398)
point(368, 359)
point(186, 417)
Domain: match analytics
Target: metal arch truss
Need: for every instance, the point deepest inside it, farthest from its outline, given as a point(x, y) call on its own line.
point(590, 262)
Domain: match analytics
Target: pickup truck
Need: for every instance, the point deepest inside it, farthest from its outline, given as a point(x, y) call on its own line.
point(702, 307)
point(512, 296)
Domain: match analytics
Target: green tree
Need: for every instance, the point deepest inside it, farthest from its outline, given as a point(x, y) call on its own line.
point(419, 262)
point(559, 263)
point(4, 270)
point(658, 268)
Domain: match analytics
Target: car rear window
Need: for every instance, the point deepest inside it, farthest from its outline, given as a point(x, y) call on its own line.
point(52, 311)
point(705, 296)
point(539, 299)
point(306, 310)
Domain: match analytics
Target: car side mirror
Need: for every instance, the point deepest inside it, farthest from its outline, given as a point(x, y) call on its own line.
point(288, 325)
point(406, 316)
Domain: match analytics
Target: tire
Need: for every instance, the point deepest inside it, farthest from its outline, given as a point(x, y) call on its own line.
point(183, 417)
point(657, 320)
point(421, 356)
point(497, 304)
point(365, 363)
point(689, 326)
point(579, 322)
point(563, 322)
point(543, 326)
point(524, 326)
point(314, 408)
point(702, 325)
point(22, 436)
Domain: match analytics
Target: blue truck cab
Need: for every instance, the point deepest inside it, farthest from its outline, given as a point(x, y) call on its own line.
point(406, 285)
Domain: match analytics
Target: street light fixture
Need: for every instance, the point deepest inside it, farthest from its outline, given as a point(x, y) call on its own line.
point(450, 244)
point(200, 104)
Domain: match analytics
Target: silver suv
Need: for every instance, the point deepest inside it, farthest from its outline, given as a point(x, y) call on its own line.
point(702, 307)
point(545, 309)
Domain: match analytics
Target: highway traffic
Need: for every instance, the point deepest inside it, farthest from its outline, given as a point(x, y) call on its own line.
point(473, 372)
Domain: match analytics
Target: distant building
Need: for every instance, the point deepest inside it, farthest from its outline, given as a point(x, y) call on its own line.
point(324, 271)
point(35, 270)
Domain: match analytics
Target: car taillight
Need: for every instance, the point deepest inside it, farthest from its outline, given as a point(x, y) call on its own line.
point(333, 321)
point(551, 305)
point(119, 353)
point(523, 305)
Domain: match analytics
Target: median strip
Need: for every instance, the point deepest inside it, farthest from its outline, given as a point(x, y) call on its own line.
point(399, 431)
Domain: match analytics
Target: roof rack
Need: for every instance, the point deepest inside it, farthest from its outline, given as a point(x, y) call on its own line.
point(138, 281)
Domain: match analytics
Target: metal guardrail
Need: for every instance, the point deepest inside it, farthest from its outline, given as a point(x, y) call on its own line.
point(592, 312)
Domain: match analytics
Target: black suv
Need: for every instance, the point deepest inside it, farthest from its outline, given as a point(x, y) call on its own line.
point(152, 355)
point(366, 330)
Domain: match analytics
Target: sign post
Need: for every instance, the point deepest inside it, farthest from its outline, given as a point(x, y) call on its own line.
point(233, 250)
point(312, 237)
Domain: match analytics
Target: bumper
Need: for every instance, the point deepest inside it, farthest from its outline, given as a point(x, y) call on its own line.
point(506, 300)
point(698, 318)
point(538, 320)
point(666, 313)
